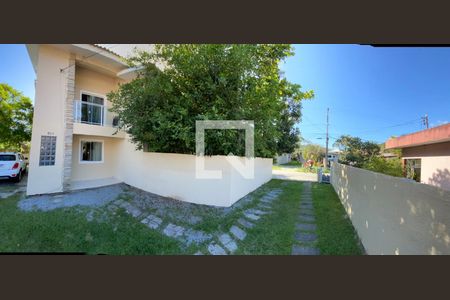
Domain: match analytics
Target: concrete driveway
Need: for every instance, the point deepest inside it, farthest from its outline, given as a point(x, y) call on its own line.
point(291, 174)
point(9, 188)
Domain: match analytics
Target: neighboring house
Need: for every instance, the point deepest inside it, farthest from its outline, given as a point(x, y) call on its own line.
point(75, 143)
point(426, 155)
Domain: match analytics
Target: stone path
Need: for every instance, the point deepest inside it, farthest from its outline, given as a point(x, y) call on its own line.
point(227, 243)
point(305, 229)
point(220, 243)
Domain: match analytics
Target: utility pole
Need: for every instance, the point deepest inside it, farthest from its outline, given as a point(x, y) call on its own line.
point(425, 120)
point(326, 147)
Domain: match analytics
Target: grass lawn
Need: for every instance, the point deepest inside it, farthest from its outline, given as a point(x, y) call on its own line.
point(273, 234)
point(117, 233)
point(68, 230)
point(335, 231)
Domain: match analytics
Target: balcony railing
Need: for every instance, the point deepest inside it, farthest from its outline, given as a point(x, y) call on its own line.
point(89, 113)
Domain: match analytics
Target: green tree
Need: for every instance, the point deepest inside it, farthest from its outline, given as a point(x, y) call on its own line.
point(313, 152)
point(209, 82)
point(290, 116)
point(16, 116)
point(356, 152)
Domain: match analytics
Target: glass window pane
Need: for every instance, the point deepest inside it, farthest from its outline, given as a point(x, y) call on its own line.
point(91, 151)
point(47, 151)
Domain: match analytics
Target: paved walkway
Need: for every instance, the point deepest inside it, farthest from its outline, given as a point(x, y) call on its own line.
point(9, 188)
point(305, 234)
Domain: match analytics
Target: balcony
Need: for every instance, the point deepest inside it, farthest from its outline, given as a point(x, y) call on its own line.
point(93, 119)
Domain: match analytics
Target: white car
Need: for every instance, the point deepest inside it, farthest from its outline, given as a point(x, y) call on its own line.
point(12, 166)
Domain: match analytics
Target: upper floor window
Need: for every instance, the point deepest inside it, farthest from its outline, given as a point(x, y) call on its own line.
point(91, 109)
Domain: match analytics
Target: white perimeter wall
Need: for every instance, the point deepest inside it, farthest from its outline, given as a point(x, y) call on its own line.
point(283, 159)
point(173, 175)
point(394, 215)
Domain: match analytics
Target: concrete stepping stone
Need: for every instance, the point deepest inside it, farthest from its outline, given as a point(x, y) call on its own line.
point(199, 253)
point(301, 250)
point(215, 249)
point(130, 209)
point(173, 230)
point(306, 226)
point(238, 232)
point(305, 237)
point(251, 216)
point(307, 218)
point(266, 201)
point(196, 236)
point(152, 221)
point(245, 223)
point(307, 212)
point(257, 212)
point(228, 242)
point(306, 206)
point(263, 206)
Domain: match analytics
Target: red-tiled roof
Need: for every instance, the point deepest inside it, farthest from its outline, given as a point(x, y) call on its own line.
point(428, 136)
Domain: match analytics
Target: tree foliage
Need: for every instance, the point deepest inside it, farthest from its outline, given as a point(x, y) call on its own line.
point(313, 152)
point(367, 155)
point(356, 152)
point(16, 116)
point(209, 82)
point(392, 166)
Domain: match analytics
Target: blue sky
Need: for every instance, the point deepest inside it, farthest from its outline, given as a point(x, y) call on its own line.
point(368, 90)
point(16, 68)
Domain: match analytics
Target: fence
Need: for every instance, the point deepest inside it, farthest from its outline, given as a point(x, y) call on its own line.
point(394, 215)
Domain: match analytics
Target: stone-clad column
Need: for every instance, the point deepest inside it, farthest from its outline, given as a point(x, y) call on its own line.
point(68, 123)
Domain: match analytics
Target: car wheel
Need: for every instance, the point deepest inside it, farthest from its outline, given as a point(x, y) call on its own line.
point(18, 177)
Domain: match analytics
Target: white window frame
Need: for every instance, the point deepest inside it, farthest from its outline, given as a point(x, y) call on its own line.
point(80, 149)
point(96, 95)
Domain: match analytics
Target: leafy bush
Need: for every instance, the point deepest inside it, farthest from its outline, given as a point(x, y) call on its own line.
point(391, 166)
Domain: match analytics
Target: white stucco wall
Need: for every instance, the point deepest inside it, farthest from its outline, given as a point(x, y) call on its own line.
point(95, 170)
point(436, 171)
point(283, 158)
point(173, 175)
point(48, 119)
point(394, 215)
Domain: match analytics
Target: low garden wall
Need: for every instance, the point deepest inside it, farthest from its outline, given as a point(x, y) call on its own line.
point(173, 175)
point(283, 159)
point(394, 215)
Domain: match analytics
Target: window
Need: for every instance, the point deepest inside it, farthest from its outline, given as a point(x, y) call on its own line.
point(92, 109)
point(48, 150)
point(91, 151)
point(413, 169)
point(7, 157)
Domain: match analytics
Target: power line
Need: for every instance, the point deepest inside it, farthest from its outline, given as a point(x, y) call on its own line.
point(374, 130)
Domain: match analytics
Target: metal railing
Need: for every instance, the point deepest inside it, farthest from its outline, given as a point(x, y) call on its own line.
point(89, 113)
